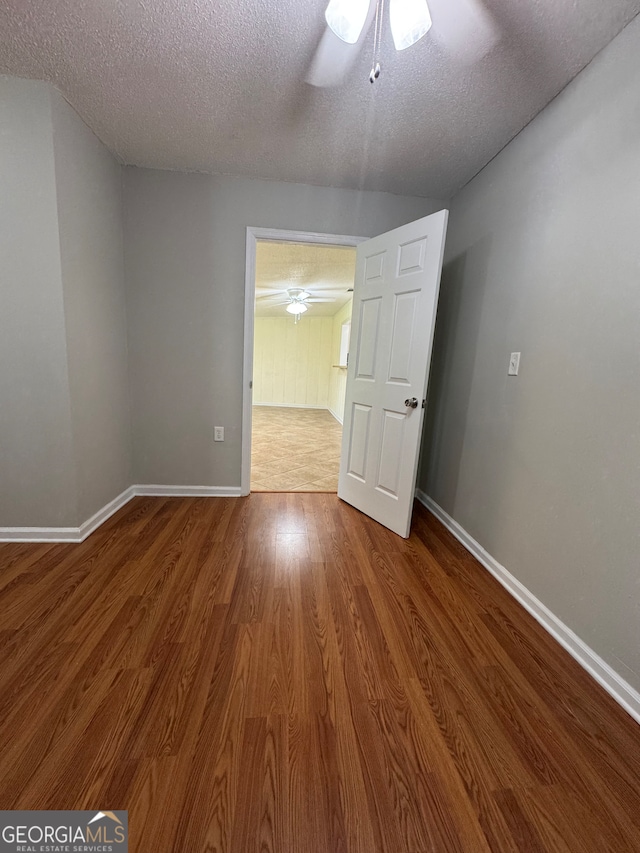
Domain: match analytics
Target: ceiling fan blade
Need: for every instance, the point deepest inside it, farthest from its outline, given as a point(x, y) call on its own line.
point(318, 300)
point(269, 293)
point(326, 292)
point(333, 57)
point(464, 27)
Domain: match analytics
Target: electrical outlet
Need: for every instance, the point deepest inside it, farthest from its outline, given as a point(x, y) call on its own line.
point(514, 364)
point(218, 433)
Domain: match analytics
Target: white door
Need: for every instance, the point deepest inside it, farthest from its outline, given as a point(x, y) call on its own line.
point(394, 309)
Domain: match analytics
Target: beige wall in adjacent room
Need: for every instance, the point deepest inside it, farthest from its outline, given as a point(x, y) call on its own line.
point(338, 378)
point(292, 361)
point(543, 257)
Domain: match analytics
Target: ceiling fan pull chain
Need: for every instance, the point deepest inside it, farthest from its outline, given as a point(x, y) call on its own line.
point(377, 37)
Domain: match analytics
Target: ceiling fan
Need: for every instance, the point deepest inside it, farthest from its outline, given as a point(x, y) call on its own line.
point(463, 28)
point(296, 300)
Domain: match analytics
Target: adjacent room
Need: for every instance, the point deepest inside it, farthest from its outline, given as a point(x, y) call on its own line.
point(433, 648)
point(302, 321)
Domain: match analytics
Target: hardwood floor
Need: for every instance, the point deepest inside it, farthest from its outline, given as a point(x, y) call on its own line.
point(279, 674)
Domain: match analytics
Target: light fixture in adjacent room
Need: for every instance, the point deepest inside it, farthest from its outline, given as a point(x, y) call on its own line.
point(296, 308)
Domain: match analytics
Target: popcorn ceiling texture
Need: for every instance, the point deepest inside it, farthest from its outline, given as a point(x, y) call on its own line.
point(218, 86)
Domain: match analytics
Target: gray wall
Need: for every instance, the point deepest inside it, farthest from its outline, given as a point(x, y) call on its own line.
point(64, 408)
point(89, 195)
point(37, 474)
point(543, 257)
point(185, 238)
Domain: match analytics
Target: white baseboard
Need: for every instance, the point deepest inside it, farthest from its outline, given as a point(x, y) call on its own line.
point(289, 405)
point(79, 534)
point(67, 534)
point(106, 512)
point(599, 669)
point(189, 491)
point(40, 534)
point(301, 406)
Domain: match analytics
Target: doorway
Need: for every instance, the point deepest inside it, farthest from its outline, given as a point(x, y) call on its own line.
point(295, 358)
point(302, 307)
point(394, 308)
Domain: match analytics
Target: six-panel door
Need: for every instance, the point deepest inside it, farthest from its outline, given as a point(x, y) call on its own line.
point(394, 305)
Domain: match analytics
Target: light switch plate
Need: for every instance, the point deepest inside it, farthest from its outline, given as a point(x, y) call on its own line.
point(514, 364)
point(218, 433)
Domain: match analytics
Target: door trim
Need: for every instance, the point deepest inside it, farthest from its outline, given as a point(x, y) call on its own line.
point(281, 236)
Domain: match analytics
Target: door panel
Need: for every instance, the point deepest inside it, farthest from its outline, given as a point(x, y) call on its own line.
point(369, 337)
point(359, 440)
point(391, 451)
point(374, 267)
point(411, 257)
point(394, 305)
point(402, 337)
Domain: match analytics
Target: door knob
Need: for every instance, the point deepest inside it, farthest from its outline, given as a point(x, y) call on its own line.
point(411, 403)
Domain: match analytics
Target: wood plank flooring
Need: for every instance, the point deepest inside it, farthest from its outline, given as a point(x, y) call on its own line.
point(279, 674)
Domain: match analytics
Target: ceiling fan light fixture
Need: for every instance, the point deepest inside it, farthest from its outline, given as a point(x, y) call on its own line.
point(296, 308)
point(347, 18)
point(409, 20)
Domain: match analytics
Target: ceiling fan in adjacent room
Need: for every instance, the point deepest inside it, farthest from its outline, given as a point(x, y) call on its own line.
point(295, 300)
point(463, 28)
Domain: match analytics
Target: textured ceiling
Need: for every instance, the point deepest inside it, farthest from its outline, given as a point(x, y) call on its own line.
point(325, 272)
point(218, 86)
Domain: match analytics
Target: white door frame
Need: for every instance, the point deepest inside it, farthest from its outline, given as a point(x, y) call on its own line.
point(280, 236)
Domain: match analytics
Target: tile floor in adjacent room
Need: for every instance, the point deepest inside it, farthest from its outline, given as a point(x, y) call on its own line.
point(294, 450)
